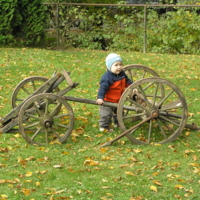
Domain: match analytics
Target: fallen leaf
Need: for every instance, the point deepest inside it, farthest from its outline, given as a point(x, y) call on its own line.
point(179, 186)
point(157, 182)
point(129, 173)
point(57, 166)
point(90, 162)
point(28, 174)
point(153, 188)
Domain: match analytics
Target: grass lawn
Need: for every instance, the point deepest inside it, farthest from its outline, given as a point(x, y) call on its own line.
point(79, 169)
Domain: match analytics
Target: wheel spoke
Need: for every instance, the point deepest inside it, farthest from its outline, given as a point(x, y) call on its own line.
point(145, 98)
point(33, 85)
point(36, 133)
point(61, 125)
point(168, 120)
point(46, 106)
point(60, 116)
point(17, 99)
point(155, 94)
point(37, 109)
point(143, 75)
point(31, 125)
point(149, 132)
point(46, 136)
point(161, 129)
point(167, 96)
point(30, 115)
point(25, 90)
point(173, 105)
point(52, 113)
point(55, 132)
point(148, 86)
point(135, 115)
point(138, 105)
point(130, 75)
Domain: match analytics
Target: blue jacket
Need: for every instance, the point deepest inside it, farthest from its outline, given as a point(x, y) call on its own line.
point(112, 86)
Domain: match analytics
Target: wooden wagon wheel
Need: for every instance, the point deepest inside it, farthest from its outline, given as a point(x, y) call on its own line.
point(45, 124)
point(169, 113)
point(25, 88)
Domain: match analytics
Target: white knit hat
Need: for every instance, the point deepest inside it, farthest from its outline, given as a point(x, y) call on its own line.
point(112, 58)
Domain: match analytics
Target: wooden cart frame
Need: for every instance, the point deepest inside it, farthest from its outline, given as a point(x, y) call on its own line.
point(151, 110)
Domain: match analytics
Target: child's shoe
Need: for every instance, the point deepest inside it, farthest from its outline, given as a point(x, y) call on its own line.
point(116, 125)
point(106, 129)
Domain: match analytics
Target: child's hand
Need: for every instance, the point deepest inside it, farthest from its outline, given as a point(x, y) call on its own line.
point(100, 101)
point(135, 91)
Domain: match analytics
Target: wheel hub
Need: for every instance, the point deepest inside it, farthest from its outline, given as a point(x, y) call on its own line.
point(153, 112)
point(46, 121)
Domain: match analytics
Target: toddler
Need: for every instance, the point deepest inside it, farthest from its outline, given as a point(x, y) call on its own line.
point(112, 85)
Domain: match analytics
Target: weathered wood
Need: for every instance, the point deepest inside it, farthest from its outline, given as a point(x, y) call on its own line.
point(43, 88)
point(67, 77)
point(88, 101)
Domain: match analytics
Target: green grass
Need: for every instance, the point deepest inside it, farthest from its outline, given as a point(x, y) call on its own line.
point(79, 169)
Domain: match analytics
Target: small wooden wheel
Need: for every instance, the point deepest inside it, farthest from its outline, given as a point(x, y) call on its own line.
point(46, 122)
point(25, 88)
point(169, 112)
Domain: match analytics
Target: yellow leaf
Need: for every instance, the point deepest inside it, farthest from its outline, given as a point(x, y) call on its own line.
point(158, 145)
point(157, 182)
point(187, 195)
point(37, 183)
point(122, 166)
point(187, 133)
point(109, 194)
point(129, 173)
point(179, 186)
point(90, 162)
point(26, 192)
point(137, 150)
point(17, 135)
point(103, 150)
point(155, 173)
point(154, 188)
point(193, 164)
point(105, 187)
point(65, 153)
point(4, 196)
point(28, 174)
point(193, 89)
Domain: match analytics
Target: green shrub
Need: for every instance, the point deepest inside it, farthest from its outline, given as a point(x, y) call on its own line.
point(22, 22)
point(175, 32)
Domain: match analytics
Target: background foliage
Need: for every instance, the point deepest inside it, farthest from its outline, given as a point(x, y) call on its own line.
point(22, 22)
point(169, 29)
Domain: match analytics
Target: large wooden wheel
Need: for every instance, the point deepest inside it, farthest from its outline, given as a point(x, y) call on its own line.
point(168, 113)
point(46, 122)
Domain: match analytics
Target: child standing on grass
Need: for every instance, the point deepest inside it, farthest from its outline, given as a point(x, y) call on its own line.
point(112, 85)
